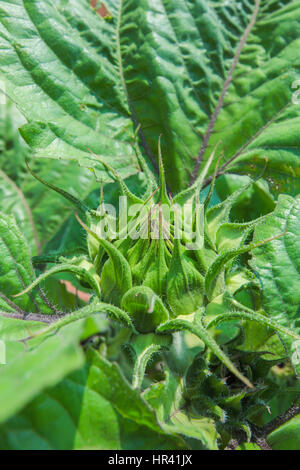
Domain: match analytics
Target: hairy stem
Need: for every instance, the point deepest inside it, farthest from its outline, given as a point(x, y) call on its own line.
point(141, 364)
point(48, 302)
point(33, 317)
point(12, 304)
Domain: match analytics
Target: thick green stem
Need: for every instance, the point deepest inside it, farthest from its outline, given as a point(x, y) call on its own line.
point(203, 334)
point(141, 364)
point(252, 317)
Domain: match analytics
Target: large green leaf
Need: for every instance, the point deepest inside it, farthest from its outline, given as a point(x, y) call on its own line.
point(67, 416)
point(70, 415)
point(12, 201)
point(39, 366)
point(47, 355)
point(13, 329)
point(12, 154)
point(13, 150)
point(287, 436)
point(16, 271)
point(264, 91)
point(176, 57)
point(40, 213)
point(261, 88)
point(277, 265)
point(195, 72)
point(59, 64)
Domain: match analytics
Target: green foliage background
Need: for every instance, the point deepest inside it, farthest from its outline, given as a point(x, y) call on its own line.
point(78, 83)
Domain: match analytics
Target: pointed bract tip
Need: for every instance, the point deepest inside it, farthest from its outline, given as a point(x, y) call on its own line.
point(163, 195)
